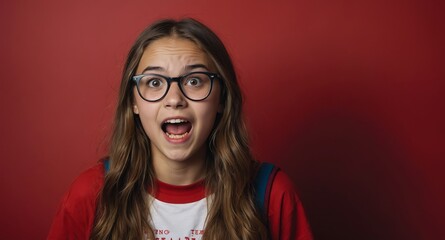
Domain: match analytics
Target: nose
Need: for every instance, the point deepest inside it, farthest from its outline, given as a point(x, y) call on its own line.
point(174, 98)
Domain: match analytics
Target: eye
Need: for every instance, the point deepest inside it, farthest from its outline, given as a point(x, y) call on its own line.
point(193, 81)
point(154, 83)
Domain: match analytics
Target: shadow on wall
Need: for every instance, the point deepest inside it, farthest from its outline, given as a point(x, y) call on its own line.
point(354, 178)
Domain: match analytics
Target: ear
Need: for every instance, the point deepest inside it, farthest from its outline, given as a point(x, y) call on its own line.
point(135, 109)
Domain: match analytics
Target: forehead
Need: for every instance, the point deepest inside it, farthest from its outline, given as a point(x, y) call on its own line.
point(173, 54)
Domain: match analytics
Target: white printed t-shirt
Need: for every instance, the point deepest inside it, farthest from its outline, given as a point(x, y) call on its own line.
point(179, 212)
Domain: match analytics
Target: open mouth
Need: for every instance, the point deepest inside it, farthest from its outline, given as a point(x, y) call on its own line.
point(176, 128)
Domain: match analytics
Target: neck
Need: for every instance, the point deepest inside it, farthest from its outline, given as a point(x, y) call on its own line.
point(180, 172)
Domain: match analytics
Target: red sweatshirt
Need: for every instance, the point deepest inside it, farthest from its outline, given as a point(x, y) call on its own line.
point(178, 212)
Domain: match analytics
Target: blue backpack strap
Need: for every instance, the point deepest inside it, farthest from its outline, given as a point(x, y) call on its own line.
point(263, 184)
point(107, 165)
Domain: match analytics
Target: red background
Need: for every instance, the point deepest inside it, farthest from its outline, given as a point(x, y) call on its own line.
point(346, 96)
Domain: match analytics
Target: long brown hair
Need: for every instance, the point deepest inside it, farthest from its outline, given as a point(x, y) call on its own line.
point(123, 204)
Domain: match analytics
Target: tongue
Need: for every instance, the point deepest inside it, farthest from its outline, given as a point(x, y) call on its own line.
point(178, 128)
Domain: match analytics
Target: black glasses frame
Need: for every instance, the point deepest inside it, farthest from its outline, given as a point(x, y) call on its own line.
point(212, 76)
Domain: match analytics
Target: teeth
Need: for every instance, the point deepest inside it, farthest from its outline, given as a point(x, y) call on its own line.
point(176, 136)
point(175, 121)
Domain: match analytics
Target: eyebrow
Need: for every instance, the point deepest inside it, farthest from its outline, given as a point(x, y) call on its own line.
point(152, 68)
point(188, 68)
point(194, 66)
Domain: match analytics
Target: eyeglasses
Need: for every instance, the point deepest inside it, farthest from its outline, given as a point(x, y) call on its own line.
point(195, 86)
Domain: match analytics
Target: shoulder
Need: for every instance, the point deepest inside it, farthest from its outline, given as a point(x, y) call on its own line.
point(86, 186)
point(282, 184)
point(76, 212)
point(287, 219)
point(282, 195)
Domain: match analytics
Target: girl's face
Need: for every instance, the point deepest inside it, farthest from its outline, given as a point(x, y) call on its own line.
point(178, 128)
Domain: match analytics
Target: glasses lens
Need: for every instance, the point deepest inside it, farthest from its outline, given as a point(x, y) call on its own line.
point(196, 86)
point(152, 87)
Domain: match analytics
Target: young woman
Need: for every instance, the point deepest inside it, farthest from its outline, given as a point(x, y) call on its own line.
point(179, 165)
